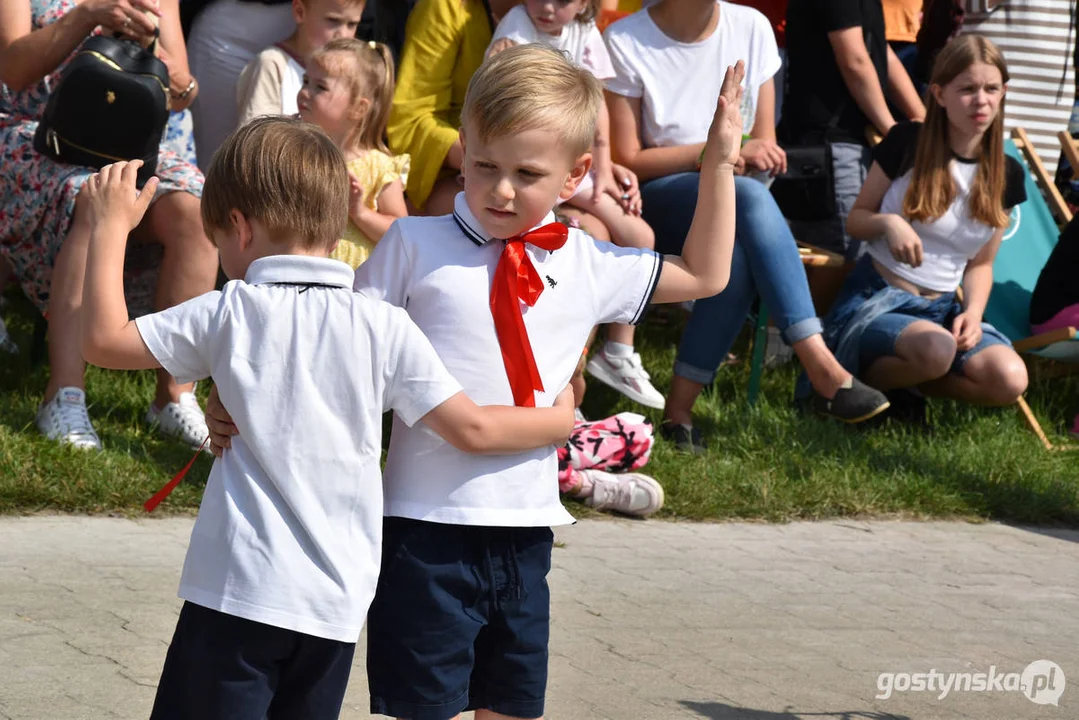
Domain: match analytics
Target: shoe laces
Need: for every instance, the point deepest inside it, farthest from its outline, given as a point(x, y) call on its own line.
point(617, 493)
point(188, 413)
point(72, 418)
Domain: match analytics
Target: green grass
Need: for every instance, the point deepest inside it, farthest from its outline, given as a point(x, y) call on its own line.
point(771, 462)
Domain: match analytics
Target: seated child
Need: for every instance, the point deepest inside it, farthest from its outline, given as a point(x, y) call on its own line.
point(285, 552)
point(1055, 302)
point(571, 27)
point(347, 92)
point(508, 298)
point(269, 84)
point(933, 212)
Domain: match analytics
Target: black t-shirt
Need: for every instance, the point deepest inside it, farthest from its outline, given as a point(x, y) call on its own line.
point(1057, 288)
point(895, 155)
point(817, 96)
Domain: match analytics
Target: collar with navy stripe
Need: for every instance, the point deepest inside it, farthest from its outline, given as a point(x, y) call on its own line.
point(299, 270)
point(471, 227)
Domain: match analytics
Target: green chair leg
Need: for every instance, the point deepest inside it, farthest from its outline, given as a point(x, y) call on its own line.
point(760, 342)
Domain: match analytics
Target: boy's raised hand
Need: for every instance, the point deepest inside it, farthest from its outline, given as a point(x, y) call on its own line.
point(725, 135)
point(114, 197)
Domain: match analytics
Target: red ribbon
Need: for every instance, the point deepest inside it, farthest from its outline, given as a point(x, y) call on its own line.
point(164, 492)
point(516, 281)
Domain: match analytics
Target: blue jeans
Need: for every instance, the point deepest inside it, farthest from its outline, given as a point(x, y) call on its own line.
point(765, 261)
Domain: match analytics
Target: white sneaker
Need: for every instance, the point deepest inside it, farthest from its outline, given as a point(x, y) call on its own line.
point(183, 420)
point(627, 376)
point(629, 493)
point(64, 418)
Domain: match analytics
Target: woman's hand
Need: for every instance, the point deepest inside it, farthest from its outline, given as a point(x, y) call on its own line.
point(127, 17)
point(967, 331)
point(765, 155)
point(903, 242)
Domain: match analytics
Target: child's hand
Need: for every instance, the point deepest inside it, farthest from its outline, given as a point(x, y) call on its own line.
point(725, 134)
point(565, 402)
point(114, 197)
point(967, 331)
point(356, 193)
point(499, 45)
point(903, 242)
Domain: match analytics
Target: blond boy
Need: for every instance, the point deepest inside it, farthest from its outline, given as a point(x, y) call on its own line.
point(271, 82)
point(507, 298)
point(284, 555)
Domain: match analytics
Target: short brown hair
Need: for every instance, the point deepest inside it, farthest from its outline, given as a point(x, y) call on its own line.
point(284, 173)
point(526, 87)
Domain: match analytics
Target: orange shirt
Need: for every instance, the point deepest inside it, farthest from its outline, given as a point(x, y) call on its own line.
point(902, 20)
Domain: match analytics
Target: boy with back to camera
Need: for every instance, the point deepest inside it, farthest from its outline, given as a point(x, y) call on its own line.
point(507, 297)
point(284, 554)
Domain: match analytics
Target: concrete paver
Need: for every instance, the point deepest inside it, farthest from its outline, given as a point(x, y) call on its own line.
point(650, 620)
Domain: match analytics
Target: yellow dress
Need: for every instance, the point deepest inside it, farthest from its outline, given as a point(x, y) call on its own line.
point(375, 170)
point(445, 42)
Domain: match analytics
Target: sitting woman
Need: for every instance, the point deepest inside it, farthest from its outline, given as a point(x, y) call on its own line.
point(667, 59)
point(46, 232)
point(933, 212)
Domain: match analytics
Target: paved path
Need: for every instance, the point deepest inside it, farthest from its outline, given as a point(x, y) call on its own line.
point(650, 619)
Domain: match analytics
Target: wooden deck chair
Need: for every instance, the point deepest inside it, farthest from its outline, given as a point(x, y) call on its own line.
point(1028, 242)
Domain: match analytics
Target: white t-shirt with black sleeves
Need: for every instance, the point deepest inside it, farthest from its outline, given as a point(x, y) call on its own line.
point(952, 240)
point(679, 83)
point(290, 528)
point(440, 270)
point(582, 42)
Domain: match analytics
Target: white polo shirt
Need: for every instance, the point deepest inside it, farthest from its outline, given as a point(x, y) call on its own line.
point(290, 528)
point(440, 270)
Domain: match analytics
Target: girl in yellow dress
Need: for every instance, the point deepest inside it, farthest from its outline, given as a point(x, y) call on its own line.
point(347, 91)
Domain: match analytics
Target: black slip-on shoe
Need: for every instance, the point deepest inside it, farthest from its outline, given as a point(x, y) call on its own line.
point(854, 403)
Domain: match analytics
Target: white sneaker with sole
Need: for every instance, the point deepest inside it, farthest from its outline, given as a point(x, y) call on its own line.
point(627, 376)
point(629, 493)
point(64, 418)
point(183, 420)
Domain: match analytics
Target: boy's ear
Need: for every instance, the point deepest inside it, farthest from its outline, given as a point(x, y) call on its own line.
point(298, 11)
point(461, 137)
point(241, 228)
point(580, 168)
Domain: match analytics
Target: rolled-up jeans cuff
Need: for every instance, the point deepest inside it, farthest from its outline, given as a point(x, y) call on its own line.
point(693, 374)
point(802, 329)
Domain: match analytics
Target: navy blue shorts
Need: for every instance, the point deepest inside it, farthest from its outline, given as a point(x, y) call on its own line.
point(223, 666)
point(460, 621)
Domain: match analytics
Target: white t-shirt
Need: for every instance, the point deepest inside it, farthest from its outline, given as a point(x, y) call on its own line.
point(440, 270)
point(581, 41)
point(679, 83)
point(290, 528)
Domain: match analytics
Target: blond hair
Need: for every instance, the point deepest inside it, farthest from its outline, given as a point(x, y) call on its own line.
point(527, 87)
point(589, 13)
point(932, 189)
point(284, 173)
point(367, 67)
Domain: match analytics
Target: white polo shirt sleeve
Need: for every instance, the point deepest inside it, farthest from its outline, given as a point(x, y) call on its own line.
point(385, 274)
point(418, 382)
point(622, 280)
point(182, 337)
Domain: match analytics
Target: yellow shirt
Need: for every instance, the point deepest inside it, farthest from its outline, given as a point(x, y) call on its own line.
point(445, 41)
point(374, 170)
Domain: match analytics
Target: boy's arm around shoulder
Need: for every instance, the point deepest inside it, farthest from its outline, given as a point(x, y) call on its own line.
point(419, 387)
point(704, 267)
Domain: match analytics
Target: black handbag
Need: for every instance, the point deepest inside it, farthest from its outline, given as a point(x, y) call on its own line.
point(110, 104)
point(806, 192)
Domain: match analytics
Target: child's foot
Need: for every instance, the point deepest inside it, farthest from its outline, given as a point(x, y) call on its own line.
point(628, 493)
point(685, 437)
point(853, 402)
point(64, 418)
point(627, 376)
point(182, 420)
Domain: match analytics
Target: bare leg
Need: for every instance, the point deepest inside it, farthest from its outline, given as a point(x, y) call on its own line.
point(824, 371)
point(995, 376)
point(188, 268)
point(589, 222)
point(625, 230)
point(489, 715)
point(66, 366)
point(924, 351)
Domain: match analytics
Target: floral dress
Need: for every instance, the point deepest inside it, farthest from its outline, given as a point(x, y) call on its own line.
point(37, 195)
